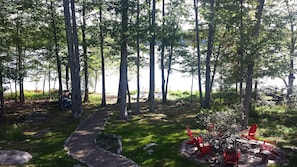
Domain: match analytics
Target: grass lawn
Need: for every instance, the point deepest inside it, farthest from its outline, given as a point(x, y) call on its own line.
point(44, 139)
point(166, 127)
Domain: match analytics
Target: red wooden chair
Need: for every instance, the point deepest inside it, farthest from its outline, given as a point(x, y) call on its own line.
point(190, 134)
point(271, 147)
point(203, 148)
point(231, 157)
point(197, 141)
point(251, 133)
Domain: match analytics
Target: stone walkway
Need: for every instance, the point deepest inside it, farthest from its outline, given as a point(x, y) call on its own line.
point(81, 144)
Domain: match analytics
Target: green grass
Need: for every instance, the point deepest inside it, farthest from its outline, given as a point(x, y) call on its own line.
point(278, 124)
point(166, 127)
point(43, 139)
point(275, 124)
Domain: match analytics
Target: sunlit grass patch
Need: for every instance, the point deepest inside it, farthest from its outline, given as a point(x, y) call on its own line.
point(147, 128)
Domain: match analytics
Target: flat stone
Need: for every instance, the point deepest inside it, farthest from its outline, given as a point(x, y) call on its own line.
point(14, 157)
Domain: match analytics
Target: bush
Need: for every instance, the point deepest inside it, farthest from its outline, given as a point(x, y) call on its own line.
point(227, 121)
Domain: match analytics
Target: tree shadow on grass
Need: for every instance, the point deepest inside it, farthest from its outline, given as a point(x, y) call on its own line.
point(279, 126)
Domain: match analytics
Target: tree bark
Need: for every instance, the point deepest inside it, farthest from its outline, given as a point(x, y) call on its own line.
point(124, 54)
point(152, 59)
point(49, 81)
point(208, 56)
point(73, 56)
point(162, 55)
point(138, 57)
point(103, 98)
point(67, 75)
point(2, 104)
point(250, 69)
point(75, 82)
point(241, 54)
point(198, 52)
point(58, 61)
point(292, 47)
point(169, 69)
point(85, 55)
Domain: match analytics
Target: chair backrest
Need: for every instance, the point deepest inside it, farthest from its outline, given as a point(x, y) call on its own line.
point(253, 129)
point(190, 133)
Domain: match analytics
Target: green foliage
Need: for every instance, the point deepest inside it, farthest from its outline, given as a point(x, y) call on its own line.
point(33, 95)
point(226, 97)
point(226, 120)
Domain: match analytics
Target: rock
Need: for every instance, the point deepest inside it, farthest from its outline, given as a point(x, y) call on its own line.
point(14, 157)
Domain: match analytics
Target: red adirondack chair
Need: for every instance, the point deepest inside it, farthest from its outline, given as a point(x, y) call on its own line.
point(190, 134)
point(231, 157)
point(271, 147)
point(197, 141)
point(202, 147)
point(251, 133)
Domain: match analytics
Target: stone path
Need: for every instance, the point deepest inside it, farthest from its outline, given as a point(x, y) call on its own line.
point(81, 144)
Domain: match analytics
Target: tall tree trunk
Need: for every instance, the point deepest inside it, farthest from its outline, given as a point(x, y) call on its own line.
point(49, 82)
point(95, 82)
point(75, 82)
point(217, 58)
point(162, 55)
point(43, 84)
point(20, 62)
point(124, 54)
point(152, 59)
point(16, 91)
point(138, 57)
point(84, 45)
point(103, 98)
point(129, 96)
point(73, 56)
point(292, 47)
point(198, 52)
point(248, 93)
point(2, 104)
point(250, 68)
point(58, 61)
point(192, 84)
point(208, 56)
point(21, 74)
point(169, 69)
point(67, 75)
point(241, 74)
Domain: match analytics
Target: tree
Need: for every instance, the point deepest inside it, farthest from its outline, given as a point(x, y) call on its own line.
point(198, 52)
point(124, 54)
point(250, 67)
point(85, 56)
point(73, 56)
point(211, 32)
point(138, 55)
point(56, 49)
point(291, 15)
point(151, 97)
point(103, 98)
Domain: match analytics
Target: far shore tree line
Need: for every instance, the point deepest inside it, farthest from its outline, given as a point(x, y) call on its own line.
point(227, 43)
